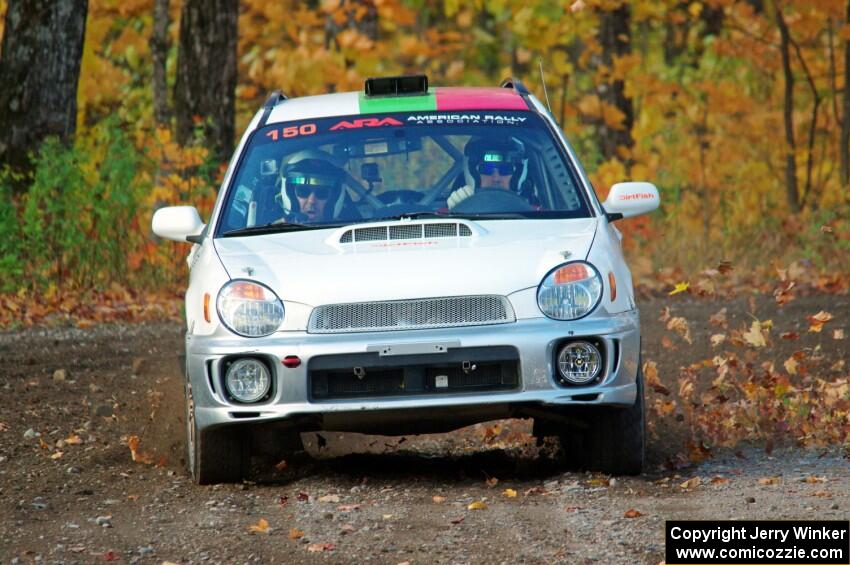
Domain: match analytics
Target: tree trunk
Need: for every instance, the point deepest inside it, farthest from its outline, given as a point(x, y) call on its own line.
point(206, 73)
point(615, 39)
point(40, 65)
point(845, 115)
point(788, 109)
point(159, 54)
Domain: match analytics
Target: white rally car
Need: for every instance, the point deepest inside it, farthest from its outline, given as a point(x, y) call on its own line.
point(409, 260)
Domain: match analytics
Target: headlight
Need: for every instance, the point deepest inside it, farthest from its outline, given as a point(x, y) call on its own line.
point(249, 309)
point(570, 291)
point(247, 380)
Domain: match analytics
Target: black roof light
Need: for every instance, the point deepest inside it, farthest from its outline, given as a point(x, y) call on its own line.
point(392, 86)
point(516, 84)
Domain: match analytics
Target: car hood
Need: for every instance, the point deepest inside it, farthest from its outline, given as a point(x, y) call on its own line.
point(492, 257)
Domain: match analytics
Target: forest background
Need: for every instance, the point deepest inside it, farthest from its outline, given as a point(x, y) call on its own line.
point(736, 109)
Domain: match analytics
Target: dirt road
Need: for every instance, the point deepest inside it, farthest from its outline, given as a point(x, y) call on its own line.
point(71, 493)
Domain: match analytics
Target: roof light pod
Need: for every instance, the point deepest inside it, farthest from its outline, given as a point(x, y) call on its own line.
point(570, 291)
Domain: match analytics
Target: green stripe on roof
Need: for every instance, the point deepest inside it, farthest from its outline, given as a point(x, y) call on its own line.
point(387, 104)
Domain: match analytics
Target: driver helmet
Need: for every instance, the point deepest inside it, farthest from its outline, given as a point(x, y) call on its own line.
point(314, 170)
point(507, 155)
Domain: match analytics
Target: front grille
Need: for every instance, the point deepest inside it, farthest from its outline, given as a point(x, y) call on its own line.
point(425, 313)
point(465, 370)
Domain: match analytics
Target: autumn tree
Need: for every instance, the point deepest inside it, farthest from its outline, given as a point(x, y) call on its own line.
point(206, 73)
point(40, 66)
point(615, 42)
point(159, 44)
point(844, 147)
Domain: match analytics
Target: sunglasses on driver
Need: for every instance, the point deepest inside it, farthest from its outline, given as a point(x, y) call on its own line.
point(491, 168)
point(307, 185)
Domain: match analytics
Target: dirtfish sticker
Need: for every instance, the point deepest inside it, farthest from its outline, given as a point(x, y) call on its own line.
point(465, 119)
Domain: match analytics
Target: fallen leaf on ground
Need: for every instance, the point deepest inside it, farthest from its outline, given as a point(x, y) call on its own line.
point(329, 498)
point(132, 497)
point(509, 492)
point(57, 455)
point(438, 499)
point(133, 444)
point(572, 509)
point(769, 481)
point(817, 321)
point(262, 526)
point(755, 335)
point(348, 507)
point(718, 480)
point(783, 294)
point(838, 334)
point(295, 533)
point(598, 482)
point(319, 547)
point(691, 483)
point(632, 513)
point(73, 439)
point(718, 319)
point(303, 497)
point(680, 326)
point(281, 465)
point(477, 505)
point(680, 287)
point(650, 375)
point(456, 520)
point(717, 339)
point(791, 366)
point(492, 482)
point(790, 335)
point(821, 494)
point(812, 479)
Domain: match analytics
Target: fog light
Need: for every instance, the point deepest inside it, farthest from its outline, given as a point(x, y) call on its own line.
point(247, 380)
point(579, 362)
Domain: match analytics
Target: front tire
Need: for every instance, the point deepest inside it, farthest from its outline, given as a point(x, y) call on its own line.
point(607, 439)
point(218, 455)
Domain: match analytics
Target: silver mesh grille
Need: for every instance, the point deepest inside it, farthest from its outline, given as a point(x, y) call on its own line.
point(441, 230)
point(370, 234)
point(406, 231)
point(411, 314)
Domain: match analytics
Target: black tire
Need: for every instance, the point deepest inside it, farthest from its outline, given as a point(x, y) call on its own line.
point(607, 439)
point(218, 455)
point(275, 443)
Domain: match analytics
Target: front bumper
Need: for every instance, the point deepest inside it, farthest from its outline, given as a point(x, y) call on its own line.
point(535, 341)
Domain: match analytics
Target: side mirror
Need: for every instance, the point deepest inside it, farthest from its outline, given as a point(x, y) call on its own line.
point(629, 199)
point(180, 223)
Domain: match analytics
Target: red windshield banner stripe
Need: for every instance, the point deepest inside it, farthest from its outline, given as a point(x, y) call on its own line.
point(479, 99)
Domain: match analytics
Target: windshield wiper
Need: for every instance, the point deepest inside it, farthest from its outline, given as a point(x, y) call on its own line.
point(277, 228)
point(462, 216)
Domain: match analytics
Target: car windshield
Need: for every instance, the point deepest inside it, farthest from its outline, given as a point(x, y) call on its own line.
point(343, 170)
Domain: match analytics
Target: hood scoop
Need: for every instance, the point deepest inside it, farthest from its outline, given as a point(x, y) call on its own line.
point(406, 230)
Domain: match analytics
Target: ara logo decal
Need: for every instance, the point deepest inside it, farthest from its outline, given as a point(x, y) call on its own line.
point(366, 123)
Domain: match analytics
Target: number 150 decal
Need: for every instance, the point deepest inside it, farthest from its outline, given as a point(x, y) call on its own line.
point(292, 131)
